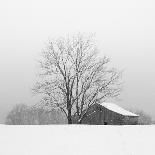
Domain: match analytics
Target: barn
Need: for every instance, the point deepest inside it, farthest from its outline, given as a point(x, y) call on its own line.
point(109, 114)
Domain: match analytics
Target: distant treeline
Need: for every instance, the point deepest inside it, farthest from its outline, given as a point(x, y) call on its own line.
point(22, 114)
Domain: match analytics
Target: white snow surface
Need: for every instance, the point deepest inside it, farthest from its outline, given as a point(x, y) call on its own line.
point(117, 109)
point(77, 140)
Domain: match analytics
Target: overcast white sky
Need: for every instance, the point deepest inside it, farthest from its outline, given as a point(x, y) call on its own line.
point(125, 31)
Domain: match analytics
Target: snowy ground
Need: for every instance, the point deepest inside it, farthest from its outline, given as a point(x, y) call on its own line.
point(77, 140)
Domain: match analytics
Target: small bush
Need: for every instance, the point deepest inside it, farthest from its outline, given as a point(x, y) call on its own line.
point(144, 118)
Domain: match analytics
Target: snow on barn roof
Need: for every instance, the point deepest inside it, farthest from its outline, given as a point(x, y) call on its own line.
point(117, 109)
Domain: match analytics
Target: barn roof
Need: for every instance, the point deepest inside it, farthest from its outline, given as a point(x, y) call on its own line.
point(117, 109)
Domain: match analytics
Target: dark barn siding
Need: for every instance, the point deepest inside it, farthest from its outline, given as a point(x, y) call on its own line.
point(99, 115)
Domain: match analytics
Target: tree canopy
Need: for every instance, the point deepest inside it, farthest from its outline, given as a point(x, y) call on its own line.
point(74, 76)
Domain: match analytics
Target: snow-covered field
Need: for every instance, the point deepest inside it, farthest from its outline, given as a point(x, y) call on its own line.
point(77, 140)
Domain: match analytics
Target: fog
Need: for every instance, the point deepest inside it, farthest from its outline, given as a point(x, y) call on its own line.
point(124, 30)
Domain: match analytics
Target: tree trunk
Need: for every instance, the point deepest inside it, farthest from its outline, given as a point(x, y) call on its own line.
point(69, 117)
point(79, 121)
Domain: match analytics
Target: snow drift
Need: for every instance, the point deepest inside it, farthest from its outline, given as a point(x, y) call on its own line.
point(77, 140)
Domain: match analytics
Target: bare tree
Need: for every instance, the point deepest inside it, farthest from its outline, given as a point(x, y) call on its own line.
point(73, 77)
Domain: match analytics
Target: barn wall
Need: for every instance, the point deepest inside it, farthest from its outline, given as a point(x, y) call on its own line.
point(131, 120)
point(92, 116)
